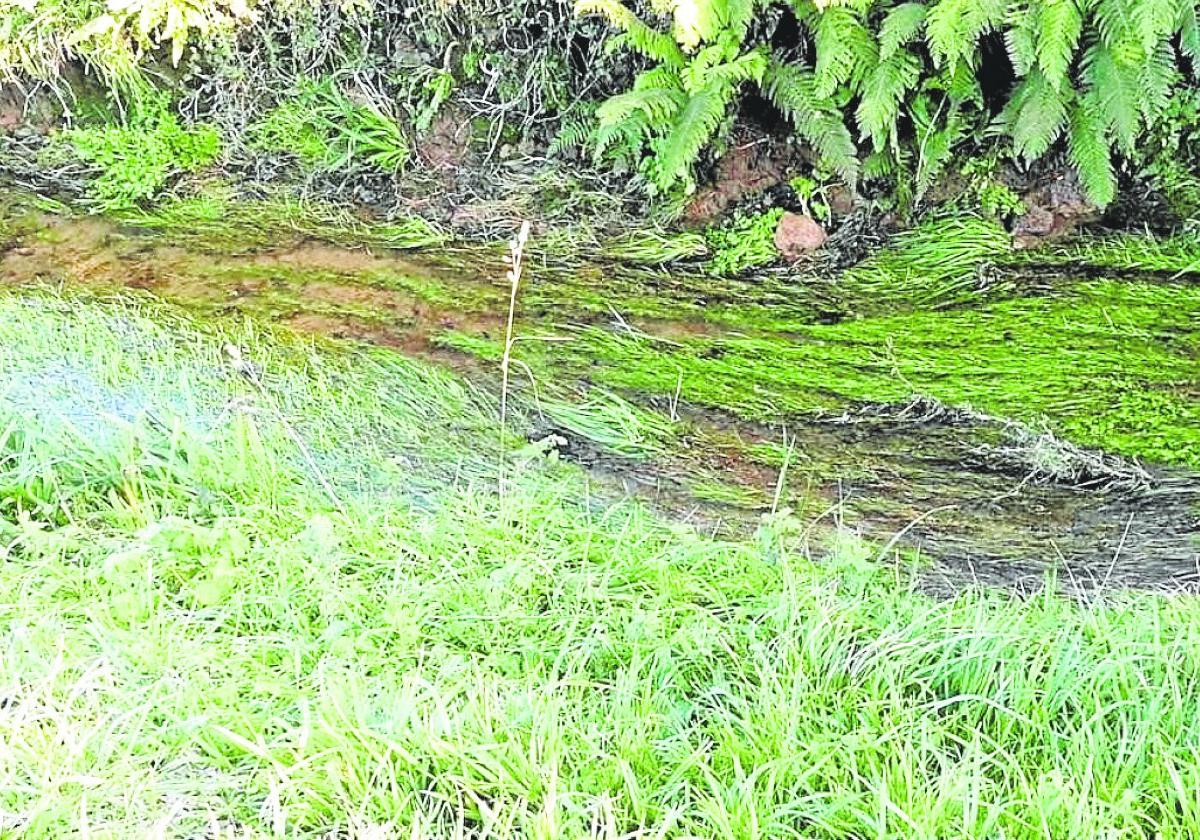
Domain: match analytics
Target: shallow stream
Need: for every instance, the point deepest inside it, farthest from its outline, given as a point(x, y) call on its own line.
point(1050, 422)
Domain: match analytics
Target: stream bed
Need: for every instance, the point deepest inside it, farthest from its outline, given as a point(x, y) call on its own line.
point(1048, 423)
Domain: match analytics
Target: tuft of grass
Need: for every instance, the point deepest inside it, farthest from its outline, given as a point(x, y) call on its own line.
point(653, 248)
point(940, 263)
point(1109, 365)
point(1177, 255)
point(612, 423)
point(328, 131)
point(195, 642)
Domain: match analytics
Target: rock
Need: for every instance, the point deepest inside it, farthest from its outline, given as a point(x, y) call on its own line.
point(797, 235)
point(1054, 210)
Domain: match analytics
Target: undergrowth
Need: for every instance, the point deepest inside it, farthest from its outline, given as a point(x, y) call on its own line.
point(325, 130)
point(744, 242)
point(135, 160)
point(902, 79)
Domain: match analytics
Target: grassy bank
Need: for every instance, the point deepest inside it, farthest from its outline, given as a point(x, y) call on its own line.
point(288, 600)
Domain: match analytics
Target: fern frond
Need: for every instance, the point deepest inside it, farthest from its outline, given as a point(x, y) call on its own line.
point(1114, 85)
point(953, 27)
point(637, 34)
point(748, 67)
point(883, 94)
point(793, 90)
point(1114, 20)
point(845, 50)
point(1059, 25)
point(713, 63)
point(1189, 33)
point(1090, 152)
point(1021, 39)
point(1155, 20)
point(1041, 111)
point(902, 24)
point(659, 105)
point(697, 123)
point(1157, 77)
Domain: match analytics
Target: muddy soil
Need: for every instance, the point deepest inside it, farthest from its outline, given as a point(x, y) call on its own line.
point(915, 485)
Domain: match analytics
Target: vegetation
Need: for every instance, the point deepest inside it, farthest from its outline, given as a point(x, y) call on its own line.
point(744, 242)
point(325, 130)
point(135, 160)
point(639, 544)
point(881, 90)
point(1095, 74)
point(200, 642)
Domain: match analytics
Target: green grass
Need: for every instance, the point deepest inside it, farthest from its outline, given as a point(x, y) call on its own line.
point(326, 131)
point(195, 641)
point(216, 220)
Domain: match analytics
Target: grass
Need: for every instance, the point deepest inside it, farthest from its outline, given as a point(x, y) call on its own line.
point(214, 219)
point(1108, 364)
point(195, 642)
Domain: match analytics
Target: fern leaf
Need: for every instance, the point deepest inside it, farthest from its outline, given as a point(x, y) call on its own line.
point(793, 90)
point(1114, 84)
point(1189, 33)
point(745, 68)
point(697, 123)
point(1041, 113)
point(954, 27)
point(883, 94)
point(1090, 152)
point(1020, 40)
point(1157, 76)
point(659, 105)
point(1154, 21)
point(845, 50)
point(1059, 27)
point(902, 24)
point(638, 35)
point(1114, 20)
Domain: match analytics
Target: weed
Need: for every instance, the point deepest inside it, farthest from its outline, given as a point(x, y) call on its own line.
point(136, 160)
point(325, 130)
point(744, 242)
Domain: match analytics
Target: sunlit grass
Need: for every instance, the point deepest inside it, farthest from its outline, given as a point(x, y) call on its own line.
point(194, 642)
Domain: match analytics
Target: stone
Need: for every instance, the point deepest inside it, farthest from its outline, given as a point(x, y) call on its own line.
point(1054, 210)
point(797, 235)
